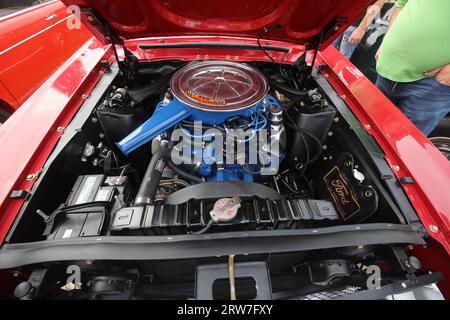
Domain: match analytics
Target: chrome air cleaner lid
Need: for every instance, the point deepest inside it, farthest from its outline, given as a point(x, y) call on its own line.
point(219, 86)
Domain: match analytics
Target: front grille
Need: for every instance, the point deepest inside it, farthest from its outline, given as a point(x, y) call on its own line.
point(331, 295)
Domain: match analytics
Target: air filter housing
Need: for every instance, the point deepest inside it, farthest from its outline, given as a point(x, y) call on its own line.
point(219, 86)
point(208, 91)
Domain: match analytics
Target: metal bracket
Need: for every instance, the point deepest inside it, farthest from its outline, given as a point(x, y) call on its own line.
point(403, 259)
point(206, 276)
point(396, 288)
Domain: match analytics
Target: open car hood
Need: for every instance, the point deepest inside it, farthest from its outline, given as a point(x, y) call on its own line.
point(298, 21)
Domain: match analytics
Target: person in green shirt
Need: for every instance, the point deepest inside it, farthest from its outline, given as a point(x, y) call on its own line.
point(414, 61)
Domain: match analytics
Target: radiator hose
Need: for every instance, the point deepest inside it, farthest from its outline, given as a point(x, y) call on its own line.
point(152, 177)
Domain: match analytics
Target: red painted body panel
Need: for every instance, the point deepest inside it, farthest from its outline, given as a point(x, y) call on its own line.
point(300, 20)
point(29, 136)
point(33, 44)
point(407, 150)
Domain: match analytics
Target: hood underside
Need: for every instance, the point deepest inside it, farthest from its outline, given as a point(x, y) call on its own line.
point(300, 21)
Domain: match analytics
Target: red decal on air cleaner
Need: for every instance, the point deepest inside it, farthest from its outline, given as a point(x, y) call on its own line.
point(195, 96)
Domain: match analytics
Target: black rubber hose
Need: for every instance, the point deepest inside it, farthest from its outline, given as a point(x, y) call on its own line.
point(152, 178)
point(184, 174)
point(206, 228)
point(293, 94)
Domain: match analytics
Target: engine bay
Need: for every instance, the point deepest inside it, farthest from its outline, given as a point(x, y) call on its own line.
point(212, 149)
point(220, 151)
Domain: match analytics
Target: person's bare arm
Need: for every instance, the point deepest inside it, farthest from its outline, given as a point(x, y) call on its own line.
point(372, 12)
point(395, 14)
point(442, 74)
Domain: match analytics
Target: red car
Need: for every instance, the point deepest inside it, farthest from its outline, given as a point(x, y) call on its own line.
point(34, 41)
point(117, 183)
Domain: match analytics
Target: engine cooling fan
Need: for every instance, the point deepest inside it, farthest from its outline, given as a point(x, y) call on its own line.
point(209, 91)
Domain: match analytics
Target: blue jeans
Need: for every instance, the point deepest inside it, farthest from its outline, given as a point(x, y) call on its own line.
point(342, 44)
point(425, 102)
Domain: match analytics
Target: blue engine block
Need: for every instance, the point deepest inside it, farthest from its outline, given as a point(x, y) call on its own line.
point(167, 116)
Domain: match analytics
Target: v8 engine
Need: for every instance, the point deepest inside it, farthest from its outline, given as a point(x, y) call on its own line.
point(215, 108)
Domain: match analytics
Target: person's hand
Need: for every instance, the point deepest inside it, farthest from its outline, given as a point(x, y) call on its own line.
point(356, 36)
point(442, 74)
point(377, 55)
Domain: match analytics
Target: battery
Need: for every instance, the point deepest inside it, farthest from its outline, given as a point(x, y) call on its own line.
point(85, 189)
point(96, 188)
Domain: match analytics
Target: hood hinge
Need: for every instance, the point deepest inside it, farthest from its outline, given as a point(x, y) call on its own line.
point(128, 65)
point(101, 27)
point(331, 28)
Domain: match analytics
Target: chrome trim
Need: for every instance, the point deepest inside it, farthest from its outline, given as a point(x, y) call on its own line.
point(34, 35)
